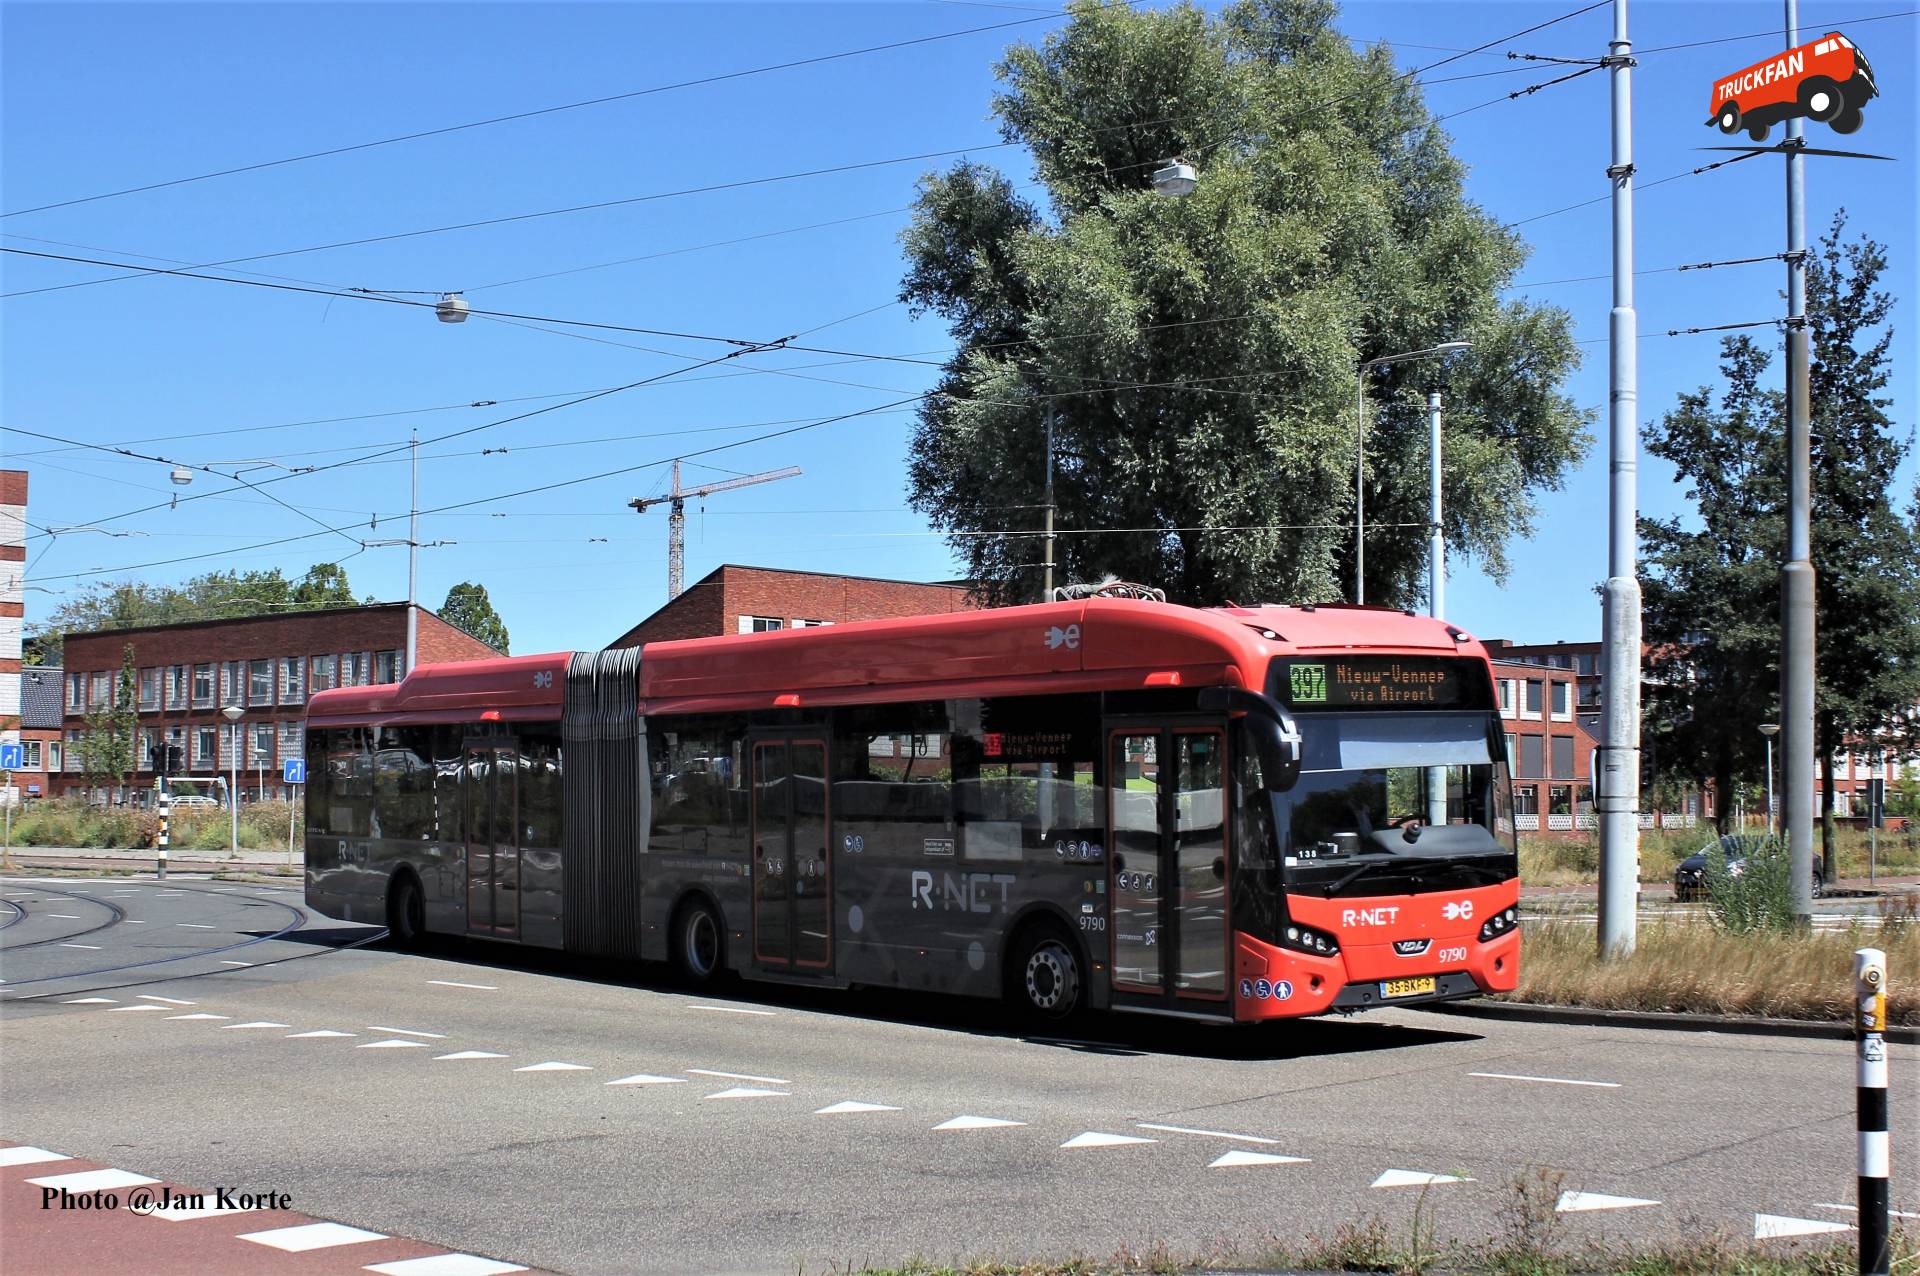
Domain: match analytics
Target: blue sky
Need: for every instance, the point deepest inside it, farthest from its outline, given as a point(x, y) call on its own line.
point(98, 97)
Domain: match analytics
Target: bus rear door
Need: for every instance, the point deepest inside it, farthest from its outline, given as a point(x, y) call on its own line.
point(1167, 801)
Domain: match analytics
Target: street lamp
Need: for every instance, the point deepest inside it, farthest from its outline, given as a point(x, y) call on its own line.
point(1770, 730)
point(1175, 177)
point(233, 713)
point(1360, 453)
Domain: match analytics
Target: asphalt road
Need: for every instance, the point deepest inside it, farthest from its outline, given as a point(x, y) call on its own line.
point(542, 1111)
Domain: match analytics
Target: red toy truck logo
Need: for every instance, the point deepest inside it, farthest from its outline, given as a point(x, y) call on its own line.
point(1826, 80)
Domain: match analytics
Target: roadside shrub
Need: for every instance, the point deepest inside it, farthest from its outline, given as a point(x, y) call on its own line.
point(1755, 894)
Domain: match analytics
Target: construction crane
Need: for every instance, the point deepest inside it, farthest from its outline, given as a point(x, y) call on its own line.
point(677, 517)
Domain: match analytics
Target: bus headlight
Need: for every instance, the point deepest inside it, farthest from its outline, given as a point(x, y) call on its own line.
point(1308, 940)
point(1500, 923)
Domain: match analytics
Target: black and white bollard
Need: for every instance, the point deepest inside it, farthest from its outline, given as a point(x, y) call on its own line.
point(1870, 1080)
point(166, 813)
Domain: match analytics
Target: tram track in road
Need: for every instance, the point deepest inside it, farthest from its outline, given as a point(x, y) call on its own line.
point(116, 915)
point(71, 981)
point(19, 913)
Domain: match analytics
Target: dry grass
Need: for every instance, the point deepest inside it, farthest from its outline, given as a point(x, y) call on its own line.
point(1574, 859)
point(1692, 968)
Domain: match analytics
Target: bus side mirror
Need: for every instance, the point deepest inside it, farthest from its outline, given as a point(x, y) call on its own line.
point(1275, 737)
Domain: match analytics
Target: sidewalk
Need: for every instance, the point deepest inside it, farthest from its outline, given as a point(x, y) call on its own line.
point(143, 859)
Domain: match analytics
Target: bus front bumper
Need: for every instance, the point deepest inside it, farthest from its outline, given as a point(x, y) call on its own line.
point(1272, 982)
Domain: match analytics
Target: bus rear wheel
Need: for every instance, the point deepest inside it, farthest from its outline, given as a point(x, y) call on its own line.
point(406, 913)
point(699, 944)
point(1046, 980)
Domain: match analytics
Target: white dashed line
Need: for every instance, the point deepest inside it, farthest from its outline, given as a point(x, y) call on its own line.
point(89, 947)
point(121, 1010)
point(734, 1010)
point(853, 1105)
point(93, 1180)
point(1096, 1139)
point(30, 1156)
point(1416, 1178)
point(68, 917)
point(1211, 1134)
point(224, 962)
point(195, 926)
point(738, 1076)
point(975, 1123)
point(469, 1054)
point(89, 1001)
point(445, 1265)
point(1506, 1076)
point(554, 1066)
point(748, 1092)
point(133, 921)
point(448, 983)
point(298, 1240)
point(1240, 1156)
point(1774, 1226)
point(407, 1032)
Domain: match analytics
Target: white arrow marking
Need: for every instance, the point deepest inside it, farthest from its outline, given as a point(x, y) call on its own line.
point(259, 1023)
point(201, 1015)
point(738, 1076)
point(407, 1032)
point(171, 1001)
point(555, 1067)
point(1239, 1156)
point(647, 1078)
point(1578, 1202)
point(318, 1032)
point(121, 1010)
point(852, 1105)
point(1414, 1178)
point(1211, 1134)
point(392, 1043)
point(975, 1123)
point(1095, 1139)
point(91, 1001)
point(748, 1092)
point(1773, 1226)
point(468, 1054)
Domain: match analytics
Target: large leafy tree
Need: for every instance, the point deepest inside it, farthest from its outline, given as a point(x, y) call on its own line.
point(1713, 587)
point(468, 608)
point(107, 746)
point(1199, 355)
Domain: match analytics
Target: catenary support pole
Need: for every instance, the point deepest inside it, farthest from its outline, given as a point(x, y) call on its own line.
point(1436, 586)
point(1796, 573)
point(1360, 485)
point(1617, 785)
point(1870, 1081)
point(1046, 498)
point(413, 560)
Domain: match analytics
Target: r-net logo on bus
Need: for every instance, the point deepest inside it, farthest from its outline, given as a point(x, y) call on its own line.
point(1307, 684)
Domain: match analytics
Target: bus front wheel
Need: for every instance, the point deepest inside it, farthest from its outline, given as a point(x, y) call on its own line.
point(699, 943)
point(406, 913)
point(1046, 980)
point(1729, 118)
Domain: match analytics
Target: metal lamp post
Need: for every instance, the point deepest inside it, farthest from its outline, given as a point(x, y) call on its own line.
point(1770, 730)
point(233, 713)
point(1360, 452)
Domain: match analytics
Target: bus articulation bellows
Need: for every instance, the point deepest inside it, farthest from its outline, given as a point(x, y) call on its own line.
point(1234, 814)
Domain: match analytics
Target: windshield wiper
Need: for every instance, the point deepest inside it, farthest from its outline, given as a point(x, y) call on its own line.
point(1493, 875)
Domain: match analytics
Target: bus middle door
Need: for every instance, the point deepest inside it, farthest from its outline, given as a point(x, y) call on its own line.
point(792, 872)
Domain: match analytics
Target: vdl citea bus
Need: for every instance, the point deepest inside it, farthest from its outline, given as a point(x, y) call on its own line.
point(1234, 814)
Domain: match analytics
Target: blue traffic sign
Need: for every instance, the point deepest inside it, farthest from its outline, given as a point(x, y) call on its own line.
point(293, 771)
point(12, 757)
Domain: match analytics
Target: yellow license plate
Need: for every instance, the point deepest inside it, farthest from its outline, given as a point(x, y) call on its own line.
point(1406, 987)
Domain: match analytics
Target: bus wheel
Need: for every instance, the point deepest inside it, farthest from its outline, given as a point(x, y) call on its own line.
point(1729, 118)
point(1847, 121)
point(406, 913)
point(1047, 981)
point(1822, 99)
point(698, 943)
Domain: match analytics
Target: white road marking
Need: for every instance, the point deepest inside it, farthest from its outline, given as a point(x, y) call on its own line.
point(391, 1043)
point(70, 917)
point(647, 1078)
point(93, 1180)
point(121, 1010)
point(171, 1001)
point(551, 1066)
point(1507, 1076)
point(853, 1105)
point(975, 1123)
point(260, 1023)
point(448, 983)
point(1211, 1134)
point(1240, 1156)
point(224, 962)
point(1416, 1178)
point(306, 1236)
point(1773, 1226)
point(200, 1015)
point(407, 1032)
point(317, 1032)
point(30, 1156)
point(195, 926)
point(89, 947)
point(1580, 1202)
point(468, 1054)
point(1855, 1209)
point(1095, 1139)
point(733, 1010)
point(133, 921)
point(187, 1213)
point(90, 1001)
point(738, 1076)
point(444, 1265)
point(748, 1092)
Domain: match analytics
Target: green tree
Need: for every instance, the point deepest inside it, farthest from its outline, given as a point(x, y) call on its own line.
point(1199, 354)
point(468, 608)
point(1713, 582)
point(108, 745)
point(215, 595)
point(324, 585)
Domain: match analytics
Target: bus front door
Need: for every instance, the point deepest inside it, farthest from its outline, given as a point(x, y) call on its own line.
point(1167, 856)
point(792, 875)
point(493, 842)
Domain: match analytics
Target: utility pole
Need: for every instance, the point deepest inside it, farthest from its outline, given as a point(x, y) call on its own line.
point(1046, 497)
point(413, 557)
point(676, 502)
point(1617, 782)
point(1437, 546)
point(1796, 573)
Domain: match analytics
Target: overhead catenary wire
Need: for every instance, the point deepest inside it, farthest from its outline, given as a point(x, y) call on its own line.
point(1641, 187)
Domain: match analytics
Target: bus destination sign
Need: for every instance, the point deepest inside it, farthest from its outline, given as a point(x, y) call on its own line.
point(1380, 682)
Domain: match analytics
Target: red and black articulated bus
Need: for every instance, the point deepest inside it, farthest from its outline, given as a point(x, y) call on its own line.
point(1826, 79)
point(1231, 814)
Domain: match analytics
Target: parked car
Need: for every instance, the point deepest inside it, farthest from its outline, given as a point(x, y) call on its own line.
point(1690, 875)
point(179, 800)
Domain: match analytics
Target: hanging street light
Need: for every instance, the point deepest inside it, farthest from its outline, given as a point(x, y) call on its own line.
point(1175, 177)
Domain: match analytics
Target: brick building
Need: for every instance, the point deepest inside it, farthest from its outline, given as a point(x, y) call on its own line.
point(13, 562)
point(40, 731)
point(268, 665)
point(1549, 750)
point(743, 600)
